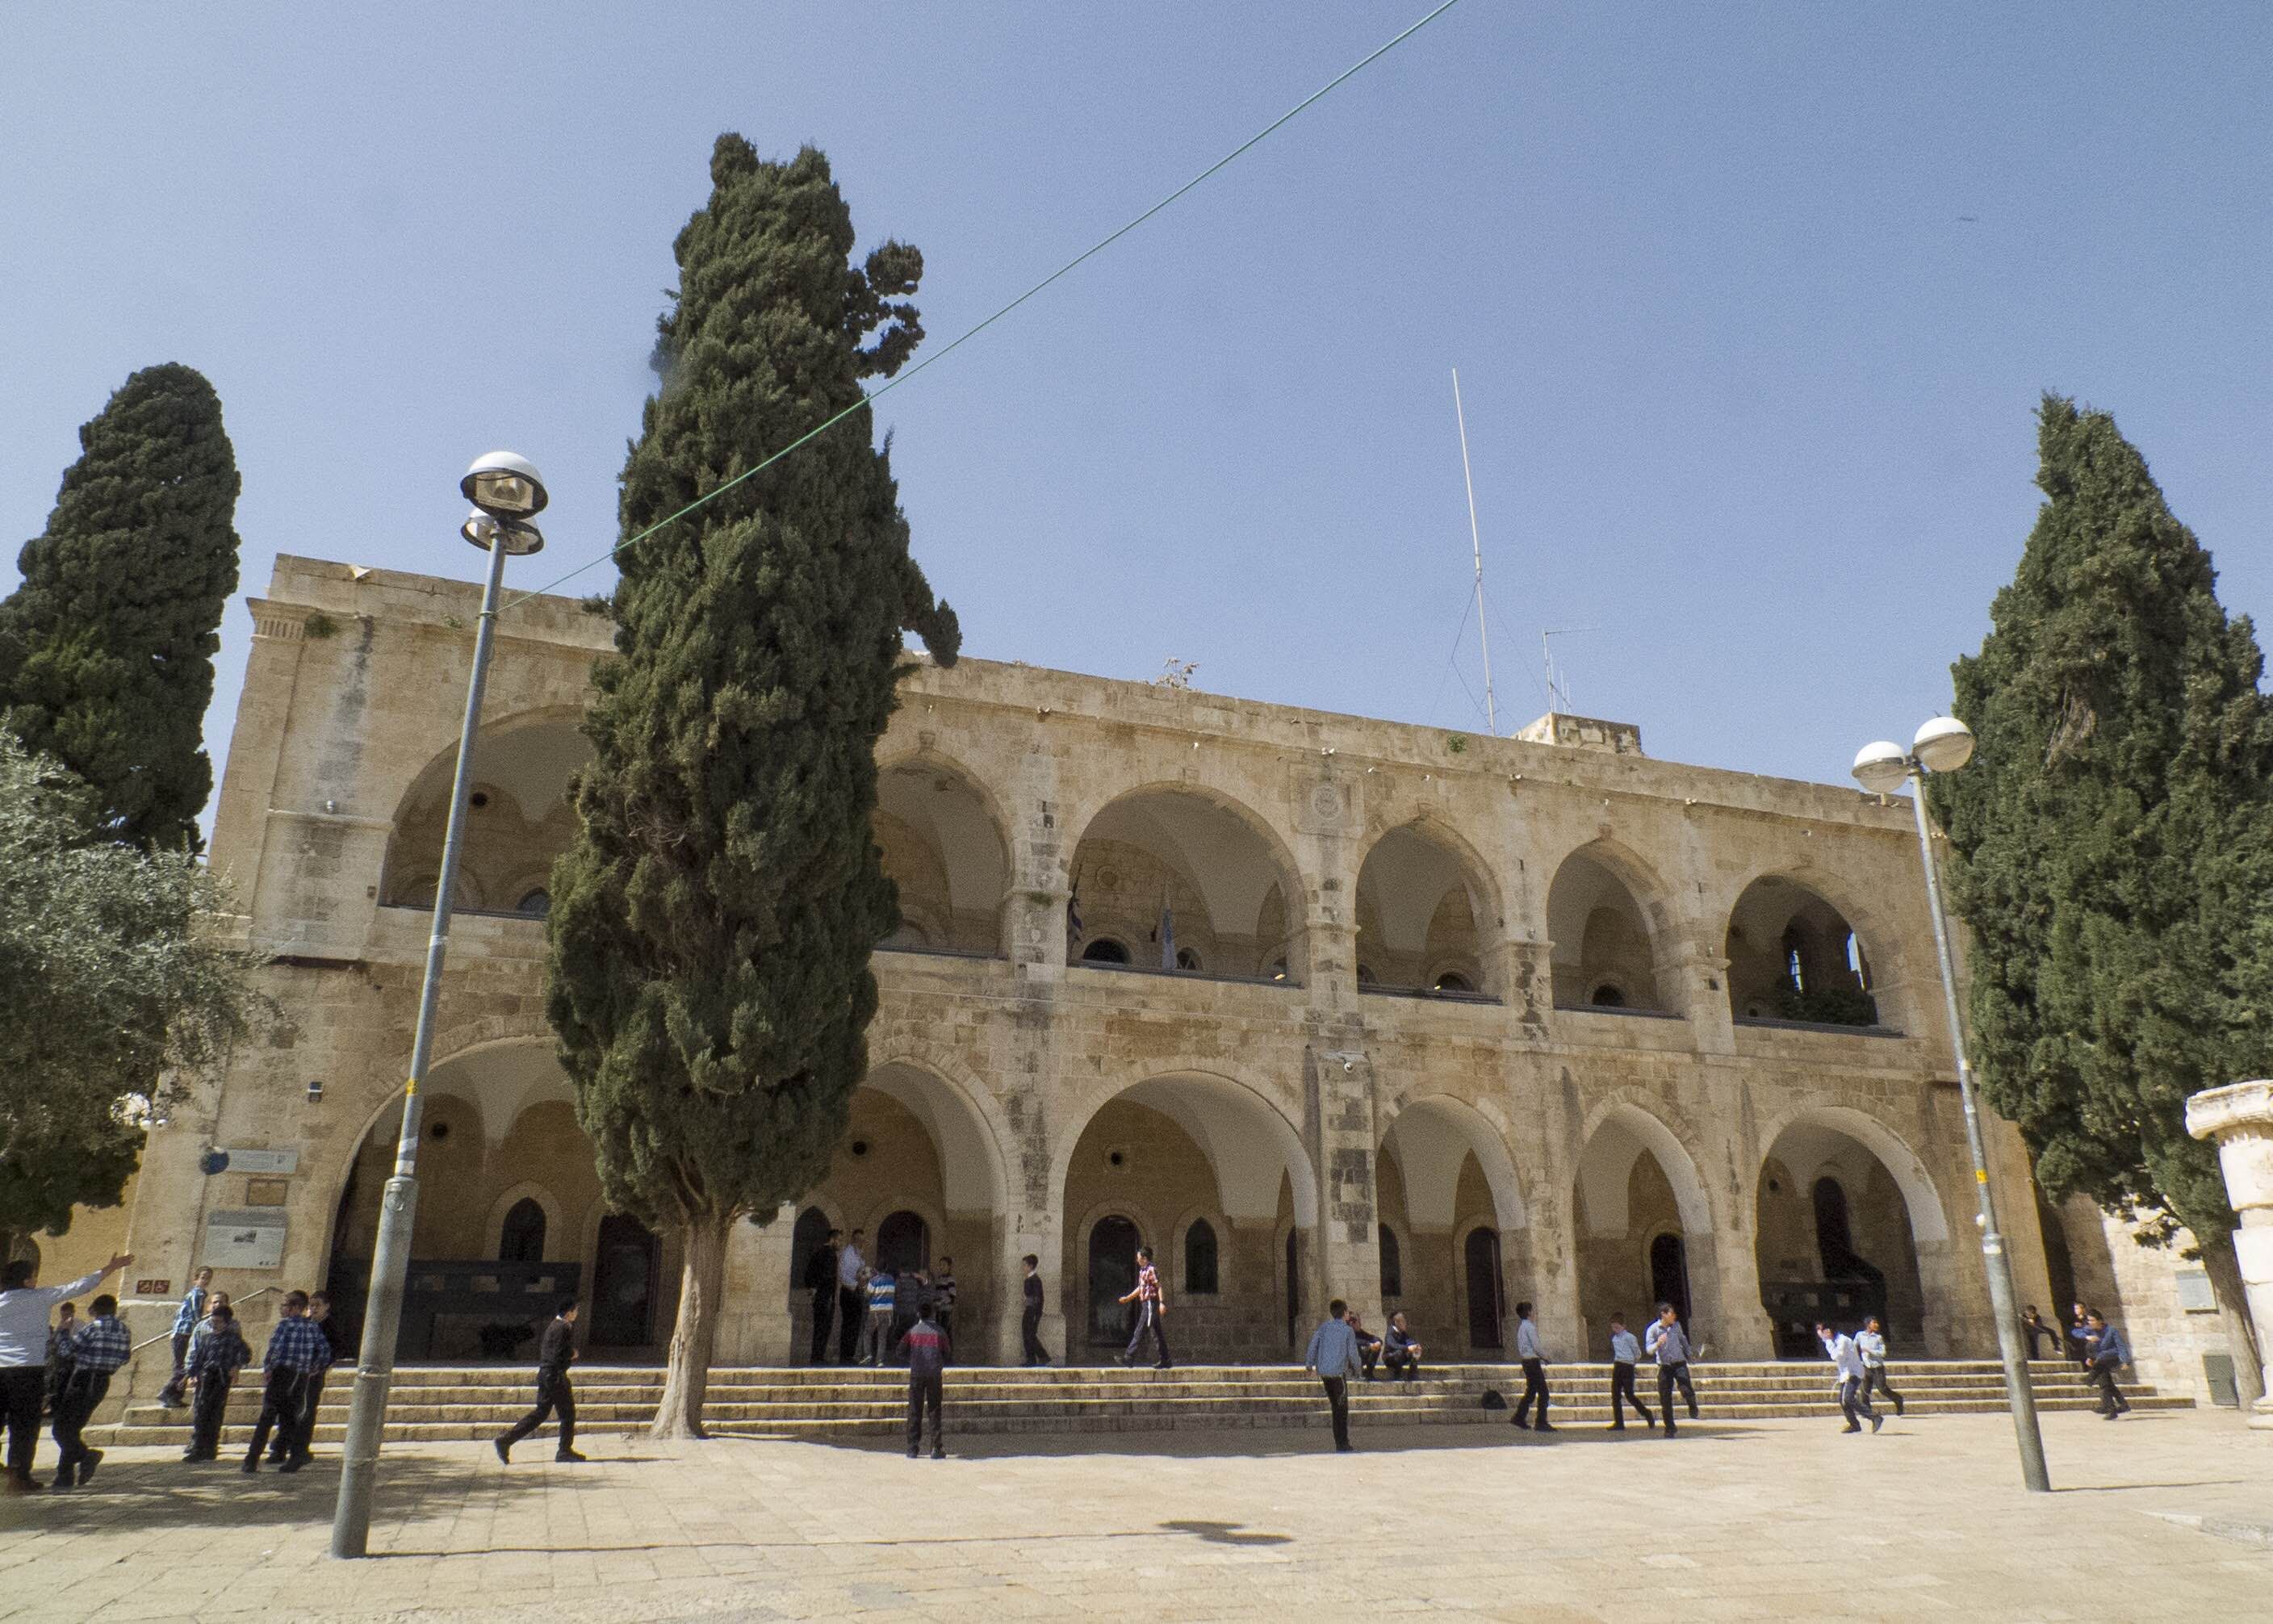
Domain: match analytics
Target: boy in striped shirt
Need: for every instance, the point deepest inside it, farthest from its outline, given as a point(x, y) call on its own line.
point(1149, 1312)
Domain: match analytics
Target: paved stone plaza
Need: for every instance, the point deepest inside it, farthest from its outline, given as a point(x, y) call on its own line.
point(2160, 1517)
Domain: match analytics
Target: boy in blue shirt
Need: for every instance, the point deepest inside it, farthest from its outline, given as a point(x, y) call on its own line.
point(882, 1289)
point(193, 1307)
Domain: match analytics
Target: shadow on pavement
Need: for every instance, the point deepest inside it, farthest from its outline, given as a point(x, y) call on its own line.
point(143, 1493)
point(1265, 1443)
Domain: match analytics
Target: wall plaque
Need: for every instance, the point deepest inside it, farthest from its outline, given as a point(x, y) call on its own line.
point(278, 1162)
point(246, 1237)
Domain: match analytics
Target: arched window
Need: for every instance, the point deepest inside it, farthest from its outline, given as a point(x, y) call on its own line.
point(521, 1237)
point(537, 904)
point(1104, 950)
point(1392, 1264)
point(1200, 1259)
point(904, 1242)
point(1185, 959)
point(1608, 997)
point(1452, 981)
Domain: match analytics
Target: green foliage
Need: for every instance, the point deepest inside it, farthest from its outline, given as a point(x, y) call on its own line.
point(2112, 837)
point(320, 625)
point(1825, 1006)
point(106, 648)
point(112, 982)
point(711, 926)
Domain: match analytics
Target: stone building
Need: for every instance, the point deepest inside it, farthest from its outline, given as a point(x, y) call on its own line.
point(1314, 1005)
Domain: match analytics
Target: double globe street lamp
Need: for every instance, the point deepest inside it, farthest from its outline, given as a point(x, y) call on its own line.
point(507, 493)
point(1943, 746)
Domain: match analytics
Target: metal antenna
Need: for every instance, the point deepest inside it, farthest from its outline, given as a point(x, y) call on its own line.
point(1475, 540)
point(1558, 688)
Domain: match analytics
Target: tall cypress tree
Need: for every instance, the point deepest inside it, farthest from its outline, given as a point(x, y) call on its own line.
point(107, 648)
point(2110, 843)
point(711, 926)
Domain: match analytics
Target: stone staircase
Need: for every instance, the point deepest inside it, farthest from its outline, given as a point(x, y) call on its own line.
point(437, 1404)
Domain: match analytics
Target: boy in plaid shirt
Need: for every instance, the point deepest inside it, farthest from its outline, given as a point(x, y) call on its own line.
point(297, 1351)
point(219, 1353)
point(97, 1349)
point(1146, 1296)
point(186, 1324)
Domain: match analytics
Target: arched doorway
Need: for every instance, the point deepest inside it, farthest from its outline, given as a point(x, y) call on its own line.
point(1159, 1155)
point(1444, 1172)
point(904, 1243)
point(1486, 1304)
point(1112, 1275)
point(623, 1284)
point(521, 1237)
point(1669, 1275)
point(1844, 1208)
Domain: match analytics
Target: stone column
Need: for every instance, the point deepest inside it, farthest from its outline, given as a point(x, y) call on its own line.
point(2239, 1118)
point(758, 1326)
point(1338, 1124)
point(1041, 1232)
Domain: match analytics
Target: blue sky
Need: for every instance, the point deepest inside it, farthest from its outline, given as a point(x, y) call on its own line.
point(1751, 306)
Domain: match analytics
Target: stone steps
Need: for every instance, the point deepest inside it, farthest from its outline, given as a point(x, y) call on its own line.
point(435, 1405)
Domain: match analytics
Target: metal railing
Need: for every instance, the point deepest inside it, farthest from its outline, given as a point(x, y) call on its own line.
point(1442, 995)
point(1618, 1009)
point(1184, 975)
point(1835, 1028)
point(168, 1333)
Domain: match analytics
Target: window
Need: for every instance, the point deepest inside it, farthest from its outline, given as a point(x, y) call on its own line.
point(1794, 970)
point(1608, 997)
point(521, 1237)
point(1185, 959)
point(1392, 1264)
point(537, 904)
point(1104, 950)
point(1366, 977)
point(1200, 1275)
point(1452, 981)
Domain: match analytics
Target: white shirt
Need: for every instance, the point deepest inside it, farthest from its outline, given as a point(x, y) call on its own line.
point(1847, 1357)
point(1623, 1349)
point(24, 1319)
point(1527, 1341)
point(1668, 1343)
point(849, 1262)
point(1873, 1346)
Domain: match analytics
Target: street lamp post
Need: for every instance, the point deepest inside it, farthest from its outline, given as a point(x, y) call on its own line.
point(507, 493)
point(1943, 746)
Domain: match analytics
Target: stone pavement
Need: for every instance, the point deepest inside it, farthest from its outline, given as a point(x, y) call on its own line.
point(2167, 1516)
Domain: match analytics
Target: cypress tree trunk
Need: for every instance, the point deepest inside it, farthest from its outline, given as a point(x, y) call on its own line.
point(695, 1334)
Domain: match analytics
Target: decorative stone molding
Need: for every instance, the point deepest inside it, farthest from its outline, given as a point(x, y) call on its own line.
point(2238, 1118)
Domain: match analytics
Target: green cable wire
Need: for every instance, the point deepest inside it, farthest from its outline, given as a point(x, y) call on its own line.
point(942, 353)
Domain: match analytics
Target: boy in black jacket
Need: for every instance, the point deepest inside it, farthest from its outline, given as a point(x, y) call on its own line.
point(554, 1394)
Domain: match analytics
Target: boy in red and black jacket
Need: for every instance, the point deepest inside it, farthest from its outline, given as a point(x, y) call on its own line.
point(926, 1349)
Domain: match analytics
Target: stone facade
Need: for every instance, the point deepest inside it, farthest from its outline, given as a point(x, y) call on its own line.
point(1315, 1005)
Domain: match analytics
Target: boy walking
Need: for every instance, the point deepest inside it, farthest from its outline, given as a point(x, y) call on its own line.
point(1149, 1312)
point(1846, 1358)
point(216, 1354)
point(24, 1311)
point(555, 1396)
point(194, 1304)
point(1668, 1342)
point(1625, 1353)
point(1334, 1355)
point(1871, 1342)
point(97, 1349)
point(1030, 1323)
point(2110, 1352)
point(297, 1349)
point(927, 1351)
point(1534, 1371)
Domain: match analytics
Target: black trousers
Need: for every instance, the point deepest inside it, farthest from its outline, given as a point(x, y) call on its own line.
point(2112, 1401)
point(304, 1431)
point(926, 1392)
point(1369, 1354)
point(1667, 1375)
point(1148, 1317)
point(206, 1412)
point(852, 1312)
point(1029, 1326)
point(74, 1408)
point(280, 1408)
point(172, 1394)
point(1407, 1365)
point(556, 1397)
point(1874, 1376)
point(1622, 1393)
point(1855, 1403)
point(1338, 1401)
point(22, 1387)
point(1535, 1386)
point(824, 1316)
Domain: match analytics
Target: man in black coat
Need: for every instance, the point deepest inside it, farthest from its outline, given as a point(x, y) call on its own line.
point(820, 1280)
point(554, 1394)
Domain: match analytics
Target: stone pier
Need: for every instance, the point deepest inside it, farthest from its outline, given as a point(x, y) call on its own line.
point(2239, 1119)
